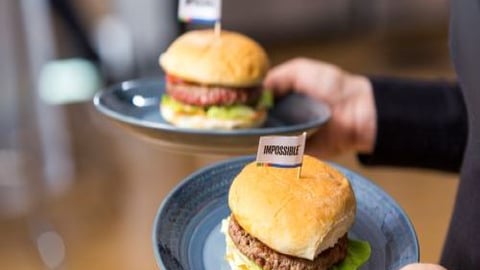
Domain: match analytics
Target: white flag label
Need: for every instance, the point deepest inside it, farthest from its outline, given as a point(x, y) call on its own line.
point(281, 151)
point(200, 11)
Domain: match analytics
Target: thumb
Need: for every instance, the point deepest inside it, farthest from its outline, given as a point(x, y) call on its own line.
point(282, 78)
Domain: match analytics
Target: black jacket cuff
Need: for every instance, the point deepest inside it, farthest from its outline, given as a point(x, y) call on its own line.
point(419, 124)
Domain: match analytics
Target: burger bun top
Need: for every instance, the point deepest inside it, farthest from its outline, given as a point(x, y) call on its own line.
point(228, 59)
point(298, 217)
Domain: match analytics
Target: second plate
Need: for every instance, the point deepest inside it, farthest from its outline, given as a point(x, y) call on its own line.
point(134, 105)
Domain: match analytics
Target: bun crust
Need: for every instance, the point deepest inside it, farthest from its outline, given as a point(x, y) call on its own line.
point(230, 59)
point(298, 217)
point(203, 122)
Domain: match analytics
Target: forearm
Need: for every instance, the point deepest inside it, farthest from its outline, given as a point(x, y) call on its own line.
point(418, 124)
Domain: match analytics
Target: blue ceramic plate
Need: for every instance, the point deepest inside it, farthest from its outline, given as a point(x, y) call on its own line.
point(135, 106)
point(187, 233)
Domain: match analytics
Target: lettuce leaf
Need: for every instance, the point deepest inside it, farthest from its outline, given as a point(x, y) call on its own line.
point(180, 107)
point(266, 99)
point(231, 112)
point(358, 253)
point(219, 112)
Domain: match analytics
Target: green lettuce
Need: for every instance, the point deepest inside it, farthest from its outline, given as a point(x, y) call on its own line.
point(220, 112)
point(230, 112)
point(176, 106)
point(358, 253)
point(266, 100)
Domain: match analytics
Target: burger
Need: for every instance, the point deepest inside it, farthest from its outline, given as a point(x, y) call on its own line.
point(214, 81)
point(279, 221)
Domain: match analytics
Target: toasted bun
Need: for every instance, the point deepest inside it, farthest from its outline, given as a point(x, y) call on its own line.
point(298, 217)
point(203, 122)
point(229, 59)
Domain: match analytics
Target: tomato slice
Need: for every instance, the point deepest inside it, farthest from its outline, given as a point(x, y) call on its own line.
point(173, 79)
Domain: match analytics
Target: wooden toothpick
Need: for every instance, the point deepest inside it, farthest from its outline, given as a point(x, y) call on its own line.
point(299, 171)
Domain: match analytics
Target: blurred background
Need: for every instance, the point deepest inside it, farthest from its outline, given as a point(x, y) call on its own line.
point(76, 192)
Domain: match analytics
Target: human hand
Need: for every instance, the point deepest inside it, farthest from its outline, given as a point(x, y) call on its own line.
point(422, 266)
point(353, 122)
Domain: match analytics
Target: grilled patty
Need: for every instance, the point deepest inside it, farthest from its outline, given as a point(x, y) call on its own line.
point(269, 259)
point(205, 95)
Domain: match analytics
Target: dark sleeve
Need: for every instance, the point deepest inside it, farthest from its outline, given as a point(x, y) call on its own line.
point(419, 124)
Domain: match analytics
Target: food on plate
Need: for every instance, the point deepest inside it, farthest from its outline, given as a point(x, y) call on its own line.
point(214, 81)
point(279, 221)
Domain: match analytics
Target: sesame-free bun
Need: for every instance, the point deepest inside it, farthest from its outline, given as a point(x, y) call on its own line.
point(298, 217)
point(228, 59)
